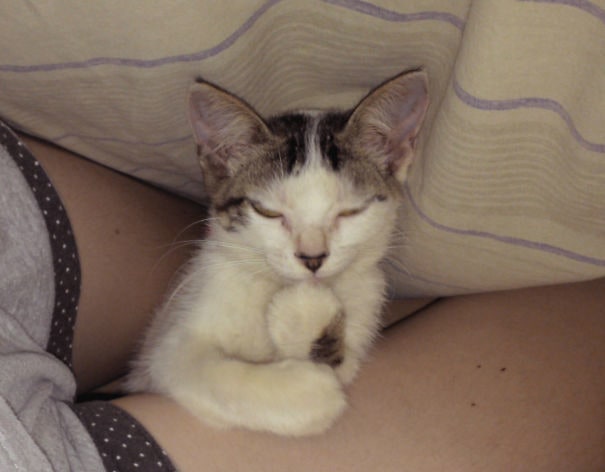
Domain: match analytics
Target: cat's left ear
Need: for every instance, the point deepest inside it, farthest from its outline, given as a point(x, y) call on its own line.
point(385, 124)
point(227, 130)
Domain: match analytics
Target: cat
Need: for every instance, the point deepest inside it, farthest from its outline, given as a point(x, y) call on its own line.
point(282, 301)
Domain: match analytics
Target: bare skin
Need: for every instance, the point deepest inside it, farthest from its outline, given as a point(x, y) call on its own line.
point(500, 382)
point(129, 239)
point(511, 381)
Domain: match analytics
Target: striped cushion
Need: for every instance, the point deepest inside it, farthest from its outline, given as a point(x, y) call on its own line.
point(510, 188)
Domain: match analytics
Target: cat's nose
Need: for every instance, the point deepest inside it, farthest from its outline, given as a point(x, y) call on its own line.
point(313, 263)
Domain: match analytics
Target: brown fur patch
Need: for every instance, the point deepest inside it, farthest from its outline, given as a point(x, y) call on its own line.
point(329, 347)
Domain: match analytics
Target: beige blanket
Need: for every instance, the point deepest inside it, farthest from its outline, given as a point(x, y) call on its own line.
point(510, 188)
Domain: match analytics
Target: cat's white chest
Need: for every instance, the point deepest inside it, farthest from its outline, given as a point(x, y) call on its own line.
point(231, 310)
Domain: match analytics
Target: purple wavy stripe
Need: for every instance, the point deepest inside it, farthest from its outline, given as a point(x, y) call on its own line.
point(355, 5)
point(528, 102)
point(396, 267)
point(147, 63)
point(538, 246)
point(388, 15)
point(121, 141)
point(585, 5)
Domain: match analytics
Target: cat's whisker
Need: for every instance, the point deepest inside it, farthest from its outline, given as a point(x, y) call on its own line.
point(176, 291)
point(191, 225)
point(182, 243)
point(172, 248)
point(176, 243)
point(399, 264)
point(260, 272)
point(231, 245)
point(234, 263)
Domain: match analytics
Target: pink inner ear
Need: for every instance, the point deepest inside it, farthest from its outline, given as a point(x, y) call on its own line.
point(203, 131)
point(407, 127)
point(405, 112)
point(387, 122)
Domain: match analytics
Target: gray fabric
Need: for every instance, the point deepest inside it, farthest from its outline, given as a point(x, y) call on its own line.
point(38, 429)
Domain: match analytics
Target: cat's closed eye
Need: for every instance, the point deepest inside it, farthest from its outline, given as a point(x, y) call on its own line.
point(357, 210)
point(351, 212)
point(263, 211)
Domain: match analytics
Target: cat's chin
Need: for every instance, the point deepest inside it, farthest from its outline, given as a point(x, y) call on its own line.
point(319, 277)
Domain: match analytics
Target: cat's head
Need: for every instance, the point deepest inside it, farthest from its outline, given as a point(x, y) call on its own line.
point(313, 193)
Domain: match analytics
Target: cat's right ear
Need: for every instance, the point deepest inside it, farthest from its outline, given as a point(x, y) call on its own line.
point(227, 130)
point(385, 124)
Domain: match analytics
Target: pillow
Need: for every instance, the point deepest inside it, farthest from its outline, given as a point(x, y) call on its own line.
point(509, 186)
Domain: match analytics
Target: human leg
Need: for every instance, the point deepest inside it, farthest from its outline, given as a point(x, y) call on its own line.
point(130, 242)
point(40, 294)
point(39, 281)
point(501, 381)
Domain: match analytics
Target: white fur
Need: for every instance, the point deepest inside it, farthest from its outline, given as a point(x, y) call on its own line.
point(234, 342)
point(230, 344)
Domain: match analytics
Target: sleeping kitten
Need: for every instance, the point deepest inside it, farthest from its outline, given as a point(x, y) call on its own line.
point(282, 301)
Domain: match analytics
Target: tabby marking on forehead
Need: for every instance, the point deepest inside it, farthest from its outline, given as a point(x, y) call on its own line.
point(291, 130)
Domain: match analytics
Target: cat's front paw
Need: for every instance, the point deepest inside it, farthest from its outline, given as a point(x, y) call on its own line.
point(306, 321)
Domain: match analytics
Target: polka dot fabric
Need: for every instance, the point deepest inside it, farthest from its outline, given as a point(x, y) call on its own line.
point(124, 444)
point(62, 242)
